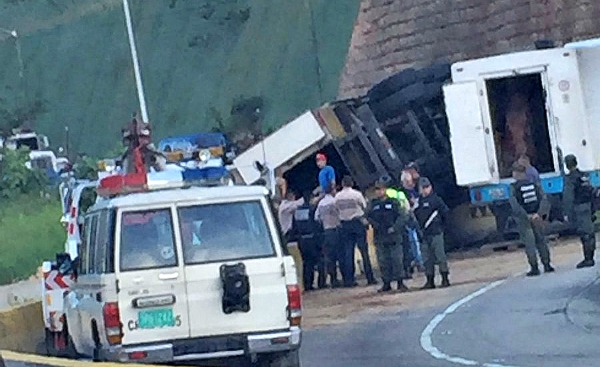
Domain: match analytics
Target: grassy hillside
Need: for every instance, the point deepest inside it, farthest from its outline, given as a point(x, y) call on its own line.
point(30, 233)
point(198, 57)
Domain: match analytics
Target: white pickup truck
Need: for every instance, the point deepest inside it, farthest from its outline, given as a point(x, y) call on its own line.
point(174, 271)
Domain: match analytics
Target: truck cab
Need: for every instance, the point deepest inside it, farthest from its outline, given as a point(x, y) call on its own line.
point(180, 271)
point(535, 103)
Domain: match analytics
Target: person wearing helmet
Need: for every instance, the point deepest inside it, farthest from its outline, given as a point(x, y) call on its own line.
point(388, 221)
point(529, 209)
point(577, 205)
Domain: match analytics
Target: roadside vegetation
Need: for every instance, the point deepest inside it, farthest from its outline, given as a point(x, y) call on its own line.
point(30, 230)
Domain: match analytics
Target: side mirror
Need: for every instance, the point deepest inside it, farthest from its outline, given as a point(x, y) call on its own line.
point(259, 167)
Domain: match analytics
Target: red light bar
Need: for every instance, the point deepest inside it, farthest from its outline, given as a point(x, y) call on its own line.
point(122, 184)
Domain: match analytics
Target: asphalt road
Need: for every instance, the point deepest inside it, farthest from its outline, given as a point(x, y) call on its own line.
point(551, 320)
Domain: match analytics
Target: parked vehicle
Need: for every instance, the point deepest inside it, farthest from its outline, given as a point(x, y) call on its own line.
point(174, 266)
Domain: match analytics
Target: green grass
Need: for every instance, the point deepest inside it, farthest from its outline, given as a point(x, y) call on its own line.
point(197, 57)
point(30, 232)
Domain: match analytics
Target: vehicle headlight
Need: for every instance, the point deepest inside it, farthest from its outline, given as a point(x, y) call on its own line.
point(204, 155)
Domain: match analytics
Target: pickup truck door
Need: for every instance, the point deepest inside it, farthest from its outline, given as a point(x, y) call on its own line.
point(473, 151)
point(152, 295)
point(245, 238)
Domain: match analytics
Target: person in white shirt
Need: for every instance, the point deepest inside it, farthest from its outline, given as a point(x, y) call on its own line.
point(351, 205)
point(286, 211)
point(328, 215)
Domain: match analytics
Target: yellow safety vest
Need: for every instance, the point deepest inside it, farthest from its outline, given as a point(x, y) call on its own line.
point(398, 195)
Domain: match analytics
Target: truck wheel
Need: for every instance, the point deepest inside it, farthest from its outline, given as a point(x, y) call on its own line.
point(285, 359)
point(69, 351)
point(51, 350)
point(393, 84)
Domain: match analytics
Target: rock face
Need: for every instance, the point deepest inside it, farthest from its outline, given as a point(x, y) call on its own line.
point(391, 35)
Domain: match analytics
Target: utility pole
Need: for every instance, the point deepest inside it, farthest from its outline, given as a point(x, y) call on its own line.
point(67, 142)
point(136, 65)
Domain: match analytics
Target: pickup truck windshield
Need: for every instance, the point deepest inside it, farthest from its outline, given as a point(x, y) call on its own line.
point(222, 232)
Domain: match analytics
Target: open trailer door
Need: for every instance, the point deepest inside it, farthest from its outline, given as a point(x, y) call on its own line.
point(472, 142)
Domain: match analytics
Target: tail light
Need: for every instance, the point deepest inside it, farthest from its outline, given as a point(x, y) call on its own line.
point(478, 195)
point(73, 211)
point(112, 323)
point(71, 228)
point(294, 305)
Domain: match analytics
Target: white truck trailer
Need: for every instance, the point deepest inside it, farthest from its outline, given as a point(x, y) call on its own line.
point(543, 103)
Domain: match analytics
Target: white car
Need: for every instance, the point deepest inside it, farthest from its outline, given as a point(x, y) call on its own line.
point(184, 274)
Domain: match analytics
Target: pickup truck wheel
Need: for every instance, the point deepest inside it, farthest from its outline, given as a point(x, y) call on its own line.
point(69, 351)
point(51, 350)
point(285, 359)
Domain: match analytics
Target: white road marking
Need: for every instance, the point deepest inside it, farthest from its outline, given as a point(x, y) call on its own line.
point(427, 343)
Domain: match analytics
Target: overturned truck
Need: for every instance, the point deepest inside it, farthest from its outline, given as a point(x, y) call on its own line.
point(400, 120)
point(464, 124)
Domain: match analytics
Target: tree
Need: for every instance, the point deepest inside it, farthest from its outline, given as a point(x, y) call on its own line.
point(15, 177)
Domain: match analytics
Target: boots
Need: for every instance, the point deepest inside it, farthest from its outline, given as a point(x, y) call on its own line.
point(401, 287)
point(445, 280)
point(430, 283)
point(386, 287)
point(535, 271)
point(588, 260)
point(548, 268)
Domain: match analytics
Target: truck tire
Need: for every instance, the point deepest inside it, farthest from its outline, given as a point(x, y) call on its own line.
point(51, 350)
point(442, 72)
point(391, 85)
point(397, 103)
point(284, 359)
point(69, 352)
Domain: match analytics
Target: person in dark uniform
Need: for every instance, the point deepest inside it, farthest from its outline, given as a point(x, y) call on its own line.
point(388, 220)
point(577, 205)
point(307, 231)
point(529, 209)
point(431, 213)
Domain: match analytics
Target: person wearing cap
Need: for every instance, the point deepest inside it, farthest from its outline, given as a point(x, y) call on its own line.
point(577, 206)
point(351, 205)
point(431, 213)
point(326, 174)
point(388, 221)
point(328, 215)
point(529, 208)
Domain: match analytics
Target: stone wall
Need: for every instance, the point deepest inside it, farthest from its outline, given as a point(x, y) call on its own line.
point(390, 35)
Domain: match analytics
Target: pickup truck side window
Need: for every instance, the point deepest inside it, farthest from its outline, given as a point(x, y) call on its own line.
point(83, 248)
point(147, 240)
point(223, 232)
point(103, 246)
point(91, 244)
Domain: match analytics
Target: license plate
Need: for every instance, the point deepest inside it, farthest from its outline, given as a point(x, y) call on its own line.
point(156, 319)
